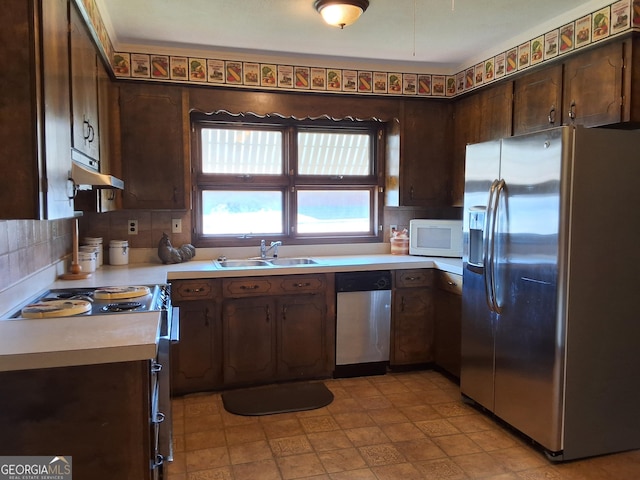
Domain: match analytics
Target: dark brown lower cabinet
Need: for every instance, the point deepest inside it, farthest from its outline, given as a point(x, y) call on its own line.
point(448, 318)
point(249, 329)
point(252, 330)
point(412, 321)
point(277, 328)
point(97, 414)
point(196, 361)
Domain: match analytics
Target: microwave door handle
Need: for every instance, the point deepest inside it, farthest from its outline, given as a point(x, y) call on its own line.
point(494, 231)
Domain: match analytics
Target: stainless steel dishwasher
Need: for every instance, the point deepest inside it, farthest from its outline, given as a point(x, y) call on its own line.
point(363, 323)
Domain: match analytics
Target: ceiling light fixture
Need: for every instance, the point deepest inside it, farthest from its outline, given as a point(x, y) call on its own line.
point(341, 13)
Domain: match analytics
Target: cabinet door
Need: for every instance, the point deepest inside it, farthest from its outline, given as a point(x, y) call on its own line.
point(593, 86)
point(496, 112)
point(84, 91)
point(302, 337)
point(425, 172)
point(537, 100)
point(27, 190)
point(249, 334)
point(152, 147)
point(412, 326)
point(448, 322)
point(196, 362)
point(466, 130)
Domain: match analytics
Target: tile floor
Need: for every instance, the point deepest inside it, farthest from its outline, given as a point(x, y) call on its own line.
point(398, 426)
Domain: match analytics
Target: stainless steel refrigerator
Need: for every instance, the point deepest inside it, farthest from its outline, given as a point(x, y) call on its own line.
point(551, 307)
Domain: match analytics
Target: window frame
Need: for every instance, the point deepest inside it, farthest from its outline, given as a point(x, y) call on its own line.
point(289, 181)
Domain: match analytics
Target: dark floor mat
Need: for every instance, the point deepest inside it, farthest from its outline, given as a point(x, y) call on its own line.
point(290, 397)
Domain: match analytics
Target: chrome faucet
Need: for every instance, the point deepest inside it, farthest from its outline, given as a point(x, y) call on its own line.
point(264, 249)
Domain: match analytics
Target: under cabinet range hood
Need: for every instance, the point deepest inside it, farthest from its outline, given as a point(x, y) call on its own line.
point(82, 175)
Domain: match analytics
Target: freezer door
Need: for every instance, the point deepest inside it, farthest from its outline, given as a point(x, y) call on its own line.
point(476, 376)
point(529, 334)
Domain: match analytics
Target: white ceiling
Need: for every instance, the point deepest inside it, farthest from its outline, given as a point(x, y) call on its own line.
point(449, 35)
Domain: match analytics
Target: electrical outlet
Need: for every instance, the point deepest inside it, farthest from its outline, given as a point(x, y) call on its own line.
point(133, 227)
point(176, 225)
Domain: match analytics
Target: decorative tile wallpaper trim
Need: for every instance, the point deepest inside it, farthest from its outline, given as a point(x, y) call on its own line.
point(614, 19)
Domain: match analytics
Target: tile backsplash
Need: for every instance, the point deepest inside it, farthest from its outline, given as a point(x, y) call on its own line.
point(28, 246)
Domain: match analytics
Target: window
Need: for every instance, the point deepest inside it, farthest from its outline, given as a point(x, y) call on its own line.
point(296, 181)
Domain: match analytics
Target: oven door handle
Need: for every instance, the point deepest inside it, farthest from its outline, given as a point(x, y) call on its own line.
point(174, 335)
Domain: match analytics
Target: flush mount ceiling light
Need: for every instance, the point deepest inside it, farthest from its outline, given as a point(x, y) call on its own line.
point(341, 13)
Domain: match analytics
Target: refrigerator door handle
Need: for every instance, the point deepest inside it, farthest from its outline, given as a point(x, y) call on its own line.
point(492, 264)
point(488, 245)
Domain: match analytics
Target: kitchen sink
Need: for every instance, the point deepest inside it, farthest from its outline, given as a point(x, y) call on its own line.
point(273, 262)
point(243, 263)
point(287, 262)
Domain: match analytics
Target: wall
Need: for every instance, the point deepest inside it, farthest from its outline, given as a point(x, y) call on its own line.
point(28, 246)
point(151, 225)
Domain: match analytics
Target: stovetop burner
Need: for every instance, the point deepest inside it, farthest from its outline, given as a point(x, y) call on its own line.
point(121, 306)
point(155, 298)
point(85, 294)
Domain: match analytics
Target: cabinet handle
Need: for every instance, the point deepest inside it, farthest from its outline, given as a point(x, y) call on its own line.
point(249, 287)
point(92, 134)
point(86, 127)
point(572, 110)
point(74, 188)
point(300, 285)
point(411, 279)
point(402, 304)
point(157, 462)
point(194, 290)
point(411, 193)
point(159, 418)
point(156, 367)
point(284, 312)
point(453, 284)
point(268, 313)
point(552, 115)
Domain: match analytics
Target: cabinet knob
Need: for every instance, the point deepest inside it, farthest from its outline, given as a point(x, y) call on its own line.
point(453, 284)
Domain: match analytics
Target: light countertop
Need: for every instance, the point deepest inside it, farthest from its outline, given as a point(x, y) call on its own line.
point(82, 340)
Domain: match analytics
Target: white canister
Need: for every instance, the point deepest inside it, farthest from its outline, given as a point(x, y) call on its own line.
point(95, 242)
point(94, 249)
point(87, 261)
point(118, 252)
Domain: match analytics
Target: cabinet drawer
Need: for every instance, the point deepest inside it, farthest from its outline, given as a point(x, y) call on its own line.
point(414, 278)
point(303, 283)
point(241, 287)
point(192, 289)
point(450, 282)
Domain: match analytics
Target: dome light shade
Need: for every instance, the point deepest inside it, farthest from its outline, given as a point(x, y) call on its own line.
point(341, 13)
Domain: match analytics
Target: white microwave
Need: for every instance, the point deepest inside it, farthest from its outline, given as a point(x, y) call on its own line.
point(435, 238)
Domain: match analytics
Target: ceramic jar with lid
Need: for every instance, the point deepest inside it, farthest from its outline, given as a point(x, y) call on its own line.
point(118, 252)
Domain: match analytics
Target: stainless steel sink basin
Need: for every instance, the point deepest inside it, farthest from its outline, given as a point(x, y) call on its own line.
point(287, 262)
point(243, 263)
point(272, 262)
